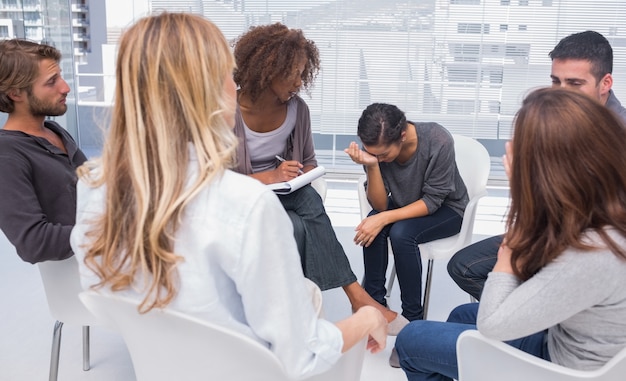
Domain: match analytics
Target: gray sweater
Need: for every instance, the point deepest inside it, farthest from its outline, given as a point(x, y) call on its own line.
point(38, 193)
point(580, 298)
point(430, 174)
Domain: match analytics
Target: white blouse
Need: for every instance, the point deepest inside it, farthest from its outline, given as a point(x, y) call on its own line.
point(241, 269)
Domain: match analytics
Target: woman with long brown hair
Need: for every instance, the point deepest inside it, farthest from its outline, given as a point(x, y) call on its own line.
point(558, 289)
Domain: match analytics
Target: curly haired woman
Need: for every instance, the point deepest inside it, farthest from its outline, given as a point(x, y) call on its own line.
point(274, 63)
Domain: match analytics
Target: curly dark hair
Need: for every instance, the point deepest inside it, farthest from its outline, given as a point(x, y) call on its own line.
point(271, 51)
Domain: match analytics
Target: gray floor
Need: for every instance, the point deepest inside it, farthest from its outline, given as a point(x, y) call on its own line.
point(26, 325)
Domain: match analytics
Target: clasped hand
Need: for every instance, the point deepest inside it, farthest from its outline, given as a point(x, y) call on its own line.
point(368, 229)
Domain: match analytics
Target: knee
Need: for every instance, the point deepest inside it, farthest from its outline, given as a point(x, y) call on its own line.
point(465, 314)
point(456, 265)
point(410, 337)
point(418, 340)
point(400, 235)
point(298, 225)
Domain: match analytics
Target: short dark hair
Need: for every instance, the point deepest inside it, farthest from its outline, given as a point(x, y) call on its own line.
point(381, 123)
point(590, 46)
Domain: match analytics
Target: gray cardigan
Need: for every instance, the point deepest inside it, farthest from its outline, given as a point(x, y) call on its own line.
point(580, 298)
point(299, 145)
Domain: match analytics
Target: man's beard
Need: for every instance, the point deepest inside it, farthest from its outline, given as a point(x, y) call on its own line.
point(43, 108)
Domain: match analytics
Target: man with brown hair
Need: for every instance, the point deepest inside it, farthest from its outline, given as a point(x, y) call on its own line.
point(38, 158)
point(581, 62)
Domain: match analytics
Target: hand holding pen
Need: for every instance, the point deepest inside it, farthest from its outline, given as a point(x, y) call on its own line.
point(291, 168)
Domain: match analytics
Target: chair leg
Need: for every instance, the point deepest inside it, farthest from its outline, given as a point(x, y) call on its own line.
point(56, 349)
point(392, 276)
point(429, 279)
point(86, 365)
point(391, 280)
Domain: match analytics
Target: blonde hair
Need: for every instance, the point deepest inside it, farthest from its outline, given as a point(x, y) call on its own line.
point(170, 75)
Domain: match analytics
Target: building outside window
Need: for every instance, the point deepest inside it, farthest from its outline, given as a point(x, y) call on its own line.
point(435, 59)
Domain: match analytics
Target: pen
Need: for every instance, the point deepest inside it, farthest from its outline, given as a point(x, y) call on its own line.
point(279, 158)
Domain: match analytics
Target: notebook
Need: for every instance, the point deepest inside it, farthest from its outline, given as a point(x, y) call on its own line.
point(292, 185)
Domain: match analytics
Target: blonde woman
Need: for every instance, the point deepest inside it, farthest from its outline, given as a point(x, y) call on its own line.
point(162, 219)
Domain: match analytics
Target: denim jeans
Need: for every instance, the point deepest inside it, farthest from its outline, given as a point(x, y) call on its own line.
point(322, 257)
point(427, 349)
point(469, 267)
point(405, 236)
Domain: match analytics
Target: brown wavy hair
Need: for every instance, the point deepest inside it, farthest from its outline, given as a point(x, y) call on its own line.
point(19, 67)
point(267, 52)
point(568, 177)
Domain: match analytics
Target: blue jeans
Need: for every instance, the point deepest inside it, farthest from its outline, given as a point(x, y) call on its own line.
point(322, 257)
point(405, 236)
point(427, 349)
point(469, 267)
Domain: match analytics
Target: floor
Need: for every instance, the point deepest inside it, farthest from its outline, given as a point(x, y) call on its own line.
point(26, 325)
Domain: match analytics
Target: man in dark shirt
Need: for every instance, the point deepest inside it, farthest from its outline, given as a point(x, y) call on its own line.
point(38, 158)
point(581, 62)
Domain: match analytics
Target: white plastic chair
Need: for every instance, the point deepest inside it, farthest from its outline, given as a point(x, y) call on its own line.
point(474, 164)
point(61, 282)
point(483, 359)
point(320, 186)
point(169, 345)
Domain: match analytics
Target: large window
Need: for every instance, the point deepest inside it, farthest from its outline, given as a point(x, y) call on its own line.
point(465, 64)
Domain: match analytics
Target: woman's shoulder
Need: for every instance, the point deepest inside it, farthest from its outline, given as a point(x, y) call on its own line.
point(434, 133)
point(299, 102)
point(600, 257)
point(238, 187)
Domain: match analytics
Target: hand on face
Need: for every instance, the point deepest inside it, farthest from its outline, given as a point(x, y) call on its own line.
point(359, 156)
point(507, 159)
point(503, 263)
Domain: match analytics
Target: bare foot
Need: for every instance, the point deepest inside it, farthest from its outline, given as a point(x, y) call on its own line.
point(359, 297)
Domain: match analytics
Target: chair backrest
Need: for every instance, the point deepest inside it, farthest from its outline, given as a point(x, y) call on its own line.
point(320, 186)
point(474, 164)
point(483, 359)
point(61, 282)
point(170, 345)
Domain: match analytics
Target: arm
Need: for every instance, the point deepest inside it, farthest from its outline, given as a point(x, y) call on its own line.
point(22, 218)
point(270, 265)
point(367, 321)
point(286, 171)
point(440, 171)
point(510, 309)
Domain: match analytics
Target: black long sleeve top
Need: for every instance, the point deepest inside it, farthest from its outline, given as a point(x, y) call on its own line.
point(38, 193)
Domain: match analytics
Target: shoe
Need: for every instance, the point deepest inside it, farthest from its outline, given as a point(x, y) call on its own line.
point(394, 360)
point(395, 326)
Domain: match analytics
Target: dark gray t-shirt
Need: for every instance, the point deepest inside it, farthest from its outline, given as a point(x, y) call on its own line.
point(430, 174)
